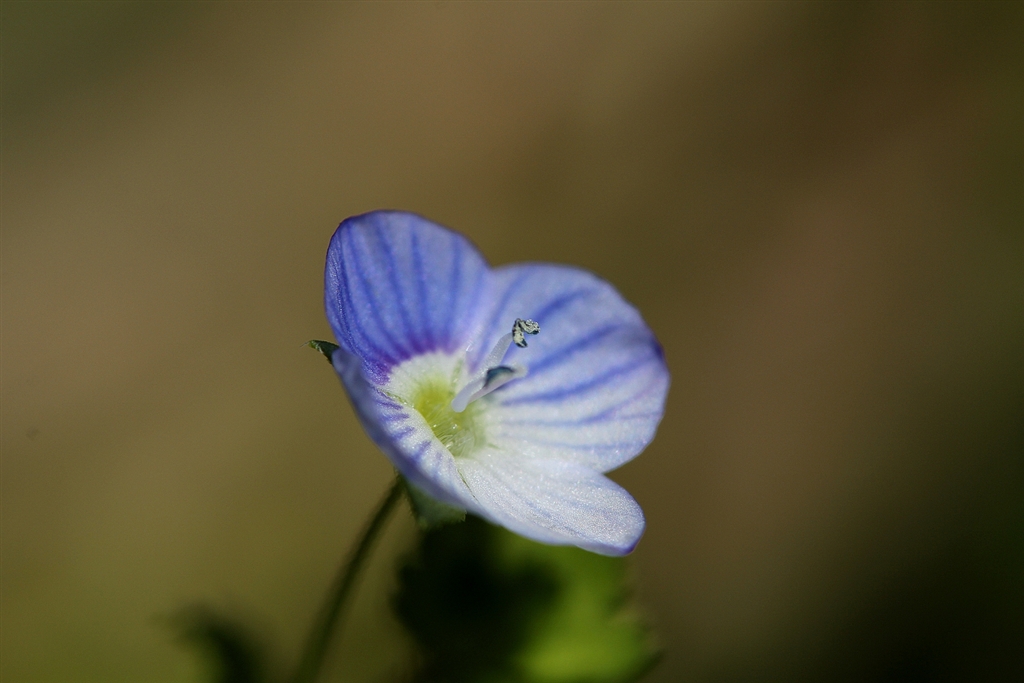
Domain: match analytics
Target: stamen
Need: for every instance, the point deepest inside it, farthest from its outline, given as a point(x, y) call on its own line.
point(520, 326)
point(495, 375)
point(499, 377)
point(466, 395)
point(497, 354)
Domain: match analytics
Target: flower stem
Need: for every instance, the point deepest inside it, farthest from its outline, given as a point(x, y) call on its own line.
point(334, 602)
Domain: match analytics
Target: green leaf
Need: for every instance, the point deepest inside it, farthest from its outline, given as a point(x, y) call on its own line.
point(591, 632)
point(324, 347)
point(485, 605)
point(430, 513)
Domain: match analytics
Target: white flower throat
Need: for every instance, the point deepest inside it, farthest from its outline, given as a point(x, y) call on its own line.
point(434, 385)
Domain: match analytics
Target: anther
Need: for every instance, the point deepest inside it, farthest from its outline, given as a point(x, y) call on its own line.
point(495, 375)
point(519, 327)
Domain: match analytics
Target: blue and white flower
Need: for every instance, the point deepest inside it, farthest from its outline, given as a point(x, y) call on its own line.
point(505, 392)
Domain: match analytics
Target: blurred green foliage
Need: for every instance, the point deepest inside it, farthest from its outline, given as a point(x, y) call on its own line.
point(430, 513)
point(485, 605)
point(234, 655)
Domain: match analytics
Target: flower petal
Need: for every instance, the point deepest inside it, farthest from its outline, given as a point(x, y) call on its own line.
point(555, 502)
point(397, 286)
point(403, 435)
point(597, 380)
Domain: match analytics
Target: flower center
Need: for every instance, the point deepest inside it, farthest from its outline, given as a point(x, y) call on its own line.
point(461, 431)
point(429, 385)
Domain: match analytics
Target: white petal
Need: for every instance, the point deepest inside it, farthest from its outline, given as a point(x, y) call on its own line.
point(600, 425)
point(561, 503)
point(596, 383)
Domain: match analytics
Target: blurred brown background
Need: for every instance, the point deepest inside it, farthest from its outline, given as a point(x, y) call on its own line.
point(818, 208)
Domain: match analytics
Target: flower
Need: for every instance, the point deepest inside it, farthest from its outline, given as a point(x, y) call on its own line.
point(505, 392)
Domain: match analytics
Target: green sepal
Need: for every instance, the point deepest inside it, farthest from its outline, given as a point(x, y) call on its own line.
point(430, 513)
point(324, 347)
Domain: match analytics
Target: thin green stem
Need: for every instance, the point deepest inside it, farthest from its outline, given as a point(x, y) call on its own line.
point(327, 620)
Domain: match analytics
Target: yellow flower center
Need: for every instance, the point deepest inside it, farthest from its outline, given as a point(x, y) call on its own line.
point(459, 432)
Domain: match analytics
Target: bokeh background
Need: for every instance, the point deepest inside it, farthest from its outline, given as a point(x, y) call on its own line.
point(819, 208)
